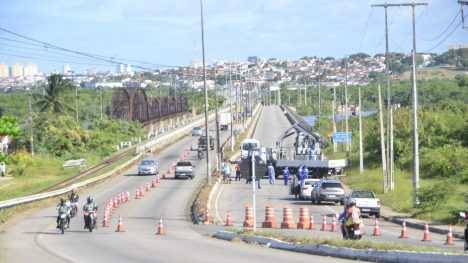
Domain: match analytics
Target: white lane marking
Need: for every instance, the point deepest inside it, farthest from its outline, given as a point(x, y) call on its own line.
point(218, 217)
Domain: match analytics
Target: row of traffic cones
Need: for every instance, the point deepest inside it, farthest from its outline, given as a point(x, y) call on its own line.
point(270, 222)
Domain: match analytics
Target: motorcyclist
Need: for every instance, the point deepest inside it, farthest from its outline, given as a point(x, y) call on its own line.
point(63, 208)
point(351, 216)
point(73, 197)
point(200, 153)
point(89, 207)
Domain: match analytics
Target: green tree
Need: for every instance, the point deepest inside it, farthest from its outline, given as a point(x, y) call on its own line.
point(55, 99)
point(9, 126)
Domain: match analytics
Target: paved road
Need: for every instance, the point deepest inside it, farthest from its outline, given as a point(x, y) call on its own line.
point(235, 196)
point(33, 237)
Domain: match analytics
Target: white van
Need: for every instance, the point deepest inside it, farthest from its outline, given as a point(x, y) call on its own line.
point(248, 145)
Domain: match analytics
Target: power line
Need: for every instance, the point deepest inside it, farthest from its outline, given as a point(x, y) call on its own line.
point(445, 38)
point(409, 31)
point(446, 29)
point(95, 56)
point(365, 29)
point(389, 26)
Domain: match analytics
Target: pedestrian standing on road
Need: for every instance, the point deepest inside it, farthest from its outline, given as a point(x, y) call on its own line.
point(271, 173)
point(2, 169)
point(286, 175)
point(299, 174)
point(305, 172)
point(238, 172)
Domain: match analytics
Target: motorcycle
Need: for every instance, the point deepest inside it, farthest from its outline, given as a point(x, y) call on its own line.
point(63, 222)
point(465, 221)
point(74, 209)
point(90, 220)
point(353, 233)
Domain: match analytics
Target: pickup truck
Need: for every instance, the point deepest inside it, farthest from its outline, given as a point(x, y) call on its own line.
point(184, 169)
point(366, 201)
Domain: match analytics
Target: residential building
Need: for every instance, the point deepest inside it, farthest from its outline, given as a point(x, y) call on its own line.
point(4, 71)
point(16, 70)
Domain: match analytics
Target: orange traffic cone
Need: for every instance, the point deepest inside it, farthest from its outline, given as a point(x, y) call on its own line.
point(228, 219)
point(115, 202)
point(362, 229)
point(376, 228)
point(137, 195)
point(426, 236)
point(312, 223)
point(141, 191)
point(153, 183)
point(160, 227)
point(324, 224)
point(449, 237)
point(333, 225)
point(207, 217)
point(157, 179)
point(105, 222)
point(404, 233)
point(128, 196)
point(120, 225)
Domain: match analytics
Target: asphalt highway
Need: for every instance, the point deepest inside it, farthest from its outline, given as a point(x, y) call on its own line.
point(32, 237)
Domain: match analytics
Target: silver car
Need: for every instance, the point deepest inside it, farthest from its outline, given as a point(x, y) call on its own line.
point(328, 191)
point(148, 166)
point(197, 131)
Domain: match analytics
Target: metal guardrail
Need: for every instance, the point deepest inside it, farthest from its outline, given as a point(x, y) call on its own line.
point(140, 149)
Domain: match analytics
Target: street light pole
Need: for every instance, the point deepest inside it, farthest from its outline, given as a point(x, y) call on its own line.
point(208, 172)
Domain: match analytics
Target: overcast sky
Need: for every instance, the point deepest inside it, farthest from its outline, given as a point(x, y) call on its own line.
point(168, 32)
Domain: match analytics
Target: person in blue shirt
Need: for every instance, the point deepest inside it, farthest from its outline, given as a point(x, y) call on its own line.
point(286, 175)
point(299, 173)
point(271, 173)
point(305, 172)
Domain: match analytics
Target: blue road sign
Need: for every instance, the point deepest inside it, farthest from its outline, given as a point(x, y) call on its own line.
point(342, 137)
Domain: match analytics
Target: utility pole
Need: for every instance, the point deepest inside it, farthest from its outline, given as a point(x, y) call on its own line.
point(382, 143)
point(101, 99)
point(361, 152)
point(319, 94)
point(415, 118)
point(31, 134)
point(208, 169)
point(390, 153)
point(346, 108)
point(333, 117)
point(218, 151)
point(390, 150)
point(231, 104)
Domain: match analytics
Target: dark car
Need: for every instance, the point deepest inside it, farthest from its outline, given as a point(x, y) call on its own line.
point(202, 142)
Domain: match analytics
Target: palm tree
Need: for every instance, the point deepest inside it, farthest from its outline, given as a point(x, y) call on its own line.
point(55, 99)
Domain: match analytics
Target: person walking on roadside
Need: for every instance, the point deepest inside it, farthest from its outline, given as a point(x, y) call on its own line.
point(271, 173)
point(2, 169)
point(238, 172)
point(227, 172)
point(286, 175)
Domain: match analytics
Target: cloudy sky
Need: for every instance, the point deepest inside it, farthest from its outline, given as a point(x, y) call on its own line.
point(167, 32)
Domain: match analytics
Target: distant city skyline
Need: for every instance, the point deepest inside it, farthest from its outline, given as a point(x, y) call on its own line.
point(167, 33)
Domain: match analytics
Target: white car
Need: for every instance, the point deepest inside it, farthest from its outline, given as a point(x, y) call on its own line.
point(306, 187)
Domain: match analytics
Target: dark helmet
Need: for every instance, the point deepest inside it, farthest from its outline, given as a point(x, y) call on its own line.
point(89, 199)
point(351, 202)
point(73, 191)
point(62, 200)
